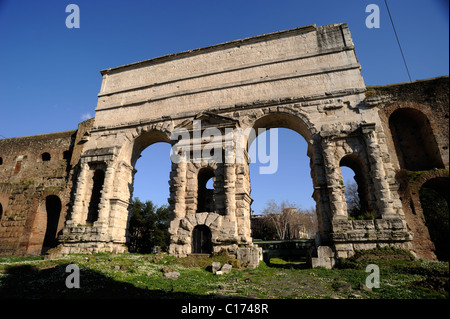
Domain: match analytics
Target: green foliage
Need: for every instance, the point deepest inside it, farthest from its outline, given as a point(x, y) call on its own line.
point(266, 232)
point(356, 214)
point(148, 227)
point(414, 175)
point(15, 258)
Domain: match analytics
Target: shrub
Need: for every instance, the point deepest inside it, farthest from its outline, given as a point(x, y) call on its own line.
point(149, 226)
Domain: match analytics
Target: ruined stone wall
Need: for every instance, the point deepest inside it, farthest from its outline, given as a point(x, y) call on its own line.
point(27, 177)
point(426, 102)
point(430, 97)
point(34, 170)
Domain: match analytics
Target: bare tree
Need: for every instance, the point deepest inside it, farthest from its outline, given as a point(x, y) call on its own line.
point(352, 198)
point(308, 219)
point(291, 221)
point(273, 213)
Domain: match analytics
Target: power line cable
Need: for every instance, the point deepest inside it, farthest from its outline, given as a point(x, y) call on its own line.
point(398, 41)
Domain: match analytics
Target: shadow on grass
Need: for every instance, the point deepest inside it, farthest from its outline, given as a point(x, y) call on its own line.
point(28, 282)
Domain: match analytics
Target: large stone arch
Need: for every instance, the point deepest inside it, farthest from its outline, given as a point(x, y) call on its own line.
point(291, 118)
point(312, 85)
point(113, 152)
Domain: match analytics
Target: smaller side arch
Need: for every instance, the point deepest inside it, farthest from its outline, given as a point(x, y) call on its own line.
point(205, 196)
point(97, 186)
point(361, 200)
point(201, 240)
point(53, 208)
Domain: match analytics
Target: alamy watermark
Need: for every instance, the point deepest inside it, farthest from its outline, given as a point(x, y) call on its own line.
point(73, 280)
point(373, 280)
point(73, 19)
point(373, 19)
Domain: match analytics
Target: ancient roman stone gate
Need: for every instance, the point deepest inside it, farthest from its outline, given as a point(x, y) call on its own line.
point(306, 79)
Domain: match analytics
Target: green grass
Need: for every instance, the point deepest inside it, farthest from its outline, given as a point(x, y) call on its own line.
point(141, 276)
point(12, 259)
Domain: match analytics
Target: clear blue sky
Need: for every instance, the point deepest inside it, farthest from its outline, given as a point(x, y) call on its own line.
point(49, 74)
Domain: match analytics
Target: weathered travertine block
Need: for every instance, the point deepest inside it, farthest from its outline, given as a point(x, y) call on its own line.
point(250, 257)
point(325, 258)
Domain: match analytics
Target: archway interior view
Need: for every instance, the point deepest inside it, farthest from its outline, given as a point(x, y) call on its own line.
point(149, 219)
point(434, 199)
point(414, 140)
point(97, 185)
point(53, 210)
point(205, 201)
point(151, 179)
point(288, 185)
point(356, 187)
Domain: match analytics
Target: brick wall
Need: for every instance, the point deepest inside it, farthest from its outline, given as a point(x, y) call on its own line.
point(32, 169)
point(425, 104)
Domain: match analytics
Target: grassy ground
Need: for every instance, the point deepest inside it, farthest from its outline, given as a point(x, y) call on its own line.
point(141, 276)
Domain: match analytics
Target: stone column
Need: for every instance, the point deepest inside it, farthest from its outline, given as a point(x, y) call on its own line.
point(178, 189)
point(229, 176)
point(80, 194)
point(120, 188)
point(336, 191)
point(320, 193)
point(377, 171)
point(230, 191)
point(243, 201)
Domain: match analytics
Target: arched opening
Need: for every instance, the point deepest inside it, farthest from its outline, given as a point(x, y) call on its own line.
point(201, 240)
point(149, 195)
point(205, 193)
point(53, 209)
point(97, 186)
point(291, 180)
point(1, 211)
point(434, 199)
point(356, 191)
point(282, 146)
point(45, 157)
point(145, 140)
point(152, 173)
point(414, 140)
